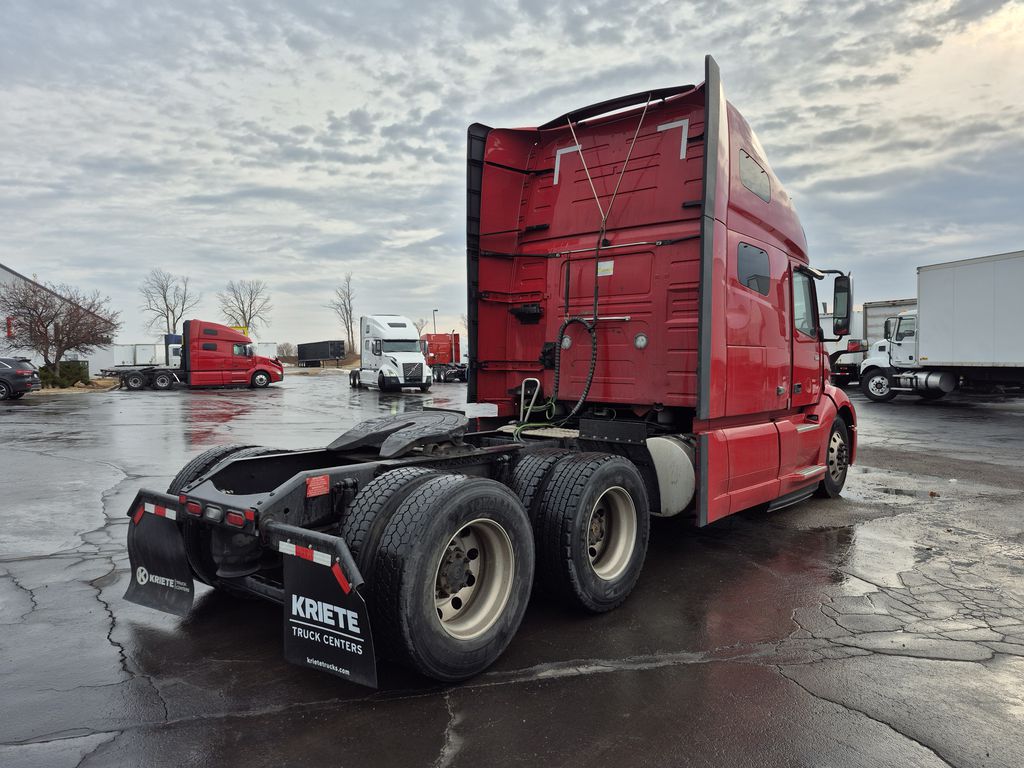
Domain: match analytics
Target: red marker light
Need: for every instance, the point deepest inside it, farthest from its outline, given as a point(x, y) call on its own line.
point(236, 519)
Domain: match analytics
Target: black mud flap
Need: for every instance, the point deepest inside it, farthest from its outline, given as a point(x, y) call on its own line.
point(326, 623)
point(160, 576)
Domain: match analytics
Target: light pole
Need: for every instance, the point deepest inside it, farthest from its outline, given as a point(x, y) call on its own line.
point(435, 321)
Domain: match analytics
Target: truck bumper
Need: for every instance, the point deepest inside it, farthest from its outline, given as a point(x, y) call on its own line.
point(326, 623)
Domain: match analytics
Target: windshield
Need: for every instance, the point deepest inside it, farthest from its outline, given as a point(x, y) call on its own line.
point(391, 345)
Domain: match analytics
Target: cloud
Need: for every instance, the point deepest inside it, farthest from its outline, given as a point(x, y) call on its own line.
point(297, 143)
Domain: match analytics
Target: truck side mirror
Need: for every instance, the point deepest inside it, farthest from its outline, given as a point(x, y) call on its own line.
point(842, 303)
point(376, 348)
point(887, 331)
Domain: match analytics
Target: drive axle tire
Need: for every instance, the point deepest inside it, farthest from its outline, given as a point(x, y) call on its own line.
point(837, 461)
point(593, 529)
point(163, 381)
point(451, 578)
point(372, 509)
point(135, 381)
point(530, 478)
point(876, 385)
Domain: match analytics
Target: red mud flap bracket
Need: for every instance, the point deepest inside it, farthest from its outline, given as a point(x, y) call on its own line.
point(326, 624)
point(160, 576)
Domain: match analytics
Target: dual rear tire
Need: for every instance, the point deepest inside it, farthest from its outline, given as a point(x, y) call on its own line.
point(449, 560)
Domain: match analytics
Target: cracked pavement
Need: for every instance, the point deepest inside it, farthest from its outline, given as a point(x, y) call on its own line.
point(885, 628)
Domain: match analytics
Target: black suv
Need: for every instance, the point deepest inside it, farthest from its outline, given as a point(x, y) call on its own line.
point(17, 376)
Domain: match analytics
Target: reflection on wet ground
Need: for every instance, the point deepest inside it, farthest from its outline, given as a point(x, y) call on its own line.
point(886, 628)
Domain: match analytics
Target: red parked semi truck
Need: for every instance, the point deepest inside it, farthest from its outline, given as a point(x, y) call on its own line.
point(212, 355)
point(443, 353)
point(643, 315)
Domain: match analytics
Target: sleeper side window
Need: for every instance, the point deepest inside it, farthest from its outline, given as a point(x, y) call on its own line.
point(210, 347)
point(754, 178)
point(752, 269)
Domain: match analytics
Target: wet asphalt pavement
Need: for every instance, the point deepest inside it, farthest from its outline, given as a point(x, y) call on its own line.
point(886, 628)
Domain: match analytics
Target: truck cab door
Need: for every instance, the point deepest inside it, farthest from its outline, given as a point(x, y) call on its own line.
point(239, 364)
point(903, 346)
point(806, 356)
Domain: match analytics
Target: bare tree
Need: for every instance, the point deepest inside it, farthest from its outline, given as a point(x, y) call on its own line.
point(52, 320)
point(286, 349)
point(166, 300)
point(342, 304)
point(420, 325)
point(246, 303)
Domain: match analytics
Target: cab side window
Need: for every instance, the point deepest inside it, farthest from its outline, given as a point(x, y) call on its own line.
point(907, 328)
point(804, 315)
point(238, 349)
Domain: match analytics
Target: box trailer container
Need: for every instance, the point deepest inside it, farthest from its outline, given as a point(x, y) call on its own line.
point(875, 313)
point(317, 354)
point(643, 315)
point(964, 332)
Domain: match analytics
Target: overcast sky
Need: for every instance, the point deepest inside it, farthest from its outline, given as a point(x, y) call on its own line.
point(294, 142)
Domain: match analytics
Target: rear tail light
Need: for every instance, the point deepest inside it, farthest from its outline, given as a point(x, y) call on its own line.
point(194, 508)
point(22, 372)
point(236, 519)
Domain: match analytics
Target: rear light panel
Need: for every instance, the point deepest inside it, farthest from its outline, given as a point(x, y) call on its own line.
point(23, 372)
point(236, 518)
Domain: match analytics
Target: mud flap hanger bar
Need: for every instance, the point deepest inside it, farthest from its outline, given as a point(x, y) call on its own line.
point(316, 546)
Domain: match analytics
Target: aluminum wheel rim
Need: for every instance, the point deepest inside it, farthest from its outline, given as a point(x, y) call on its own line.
point(837, 456)
point(261, 379)
point(473, 579)
point(879, 385)
point(611, 533)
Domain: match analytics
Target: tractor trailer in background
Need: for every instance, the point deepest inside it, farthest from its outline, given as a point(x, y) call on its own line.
point(443, 353)
point(964, 332)
point(390, 355)
point(211, 355)
point(651, 347)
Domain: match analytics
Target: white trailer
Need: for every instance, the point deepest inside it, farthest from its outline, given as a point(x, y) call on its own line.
point(390, 355)
point(872, 329)
point(965, 332)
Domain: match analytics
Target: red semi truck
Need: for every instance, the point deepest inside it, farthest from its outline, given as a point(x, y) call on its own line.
point(443, 353)
point(643, 315)
point(212, 355)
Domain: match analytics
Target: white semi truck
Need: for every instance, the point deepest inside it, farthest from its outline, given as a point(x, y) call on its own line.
point(390, 355)
point(965, 332)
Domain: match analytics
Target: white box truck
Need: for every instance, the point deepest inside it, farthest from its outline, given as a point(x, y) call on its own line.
point(965, 332)
point(390, 355)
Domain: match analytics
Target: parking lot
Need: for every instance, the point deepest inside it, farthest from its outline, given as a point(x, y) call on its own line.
point(886, 628)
